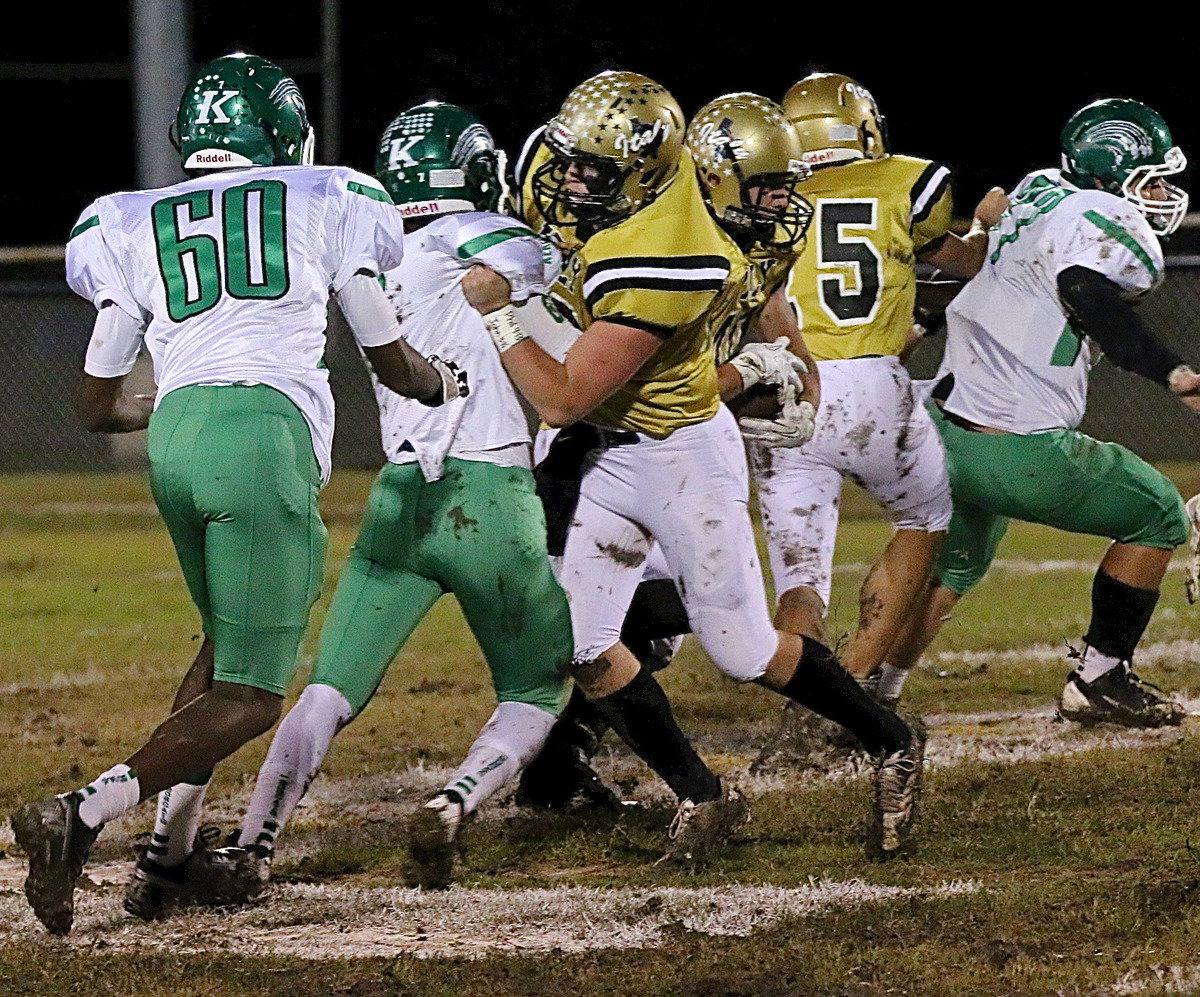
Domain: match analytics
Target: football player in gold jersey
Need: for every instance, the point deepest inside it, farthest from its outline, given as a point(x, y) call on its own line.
point(876, 214)
point(649, 456)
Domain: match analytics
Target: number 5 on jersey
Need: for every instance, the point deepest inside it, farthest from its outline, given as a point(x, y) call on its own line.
point(250, 261)
point(850, 293)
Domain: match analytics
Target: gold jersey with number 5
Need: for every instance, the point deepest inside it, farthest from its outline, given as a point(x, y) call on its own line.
point(854, 284)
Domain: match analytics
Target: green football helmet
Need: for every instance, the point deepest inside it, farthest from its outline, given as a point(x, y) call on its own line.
point(241, 110)
point(1122, 146)
point(438, 158)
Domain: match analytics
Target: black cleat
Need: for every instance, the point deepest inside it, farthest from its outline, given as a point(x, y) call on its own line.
point(154, 890)
point(1118, 697)
point(231, 876)
point(56, 842)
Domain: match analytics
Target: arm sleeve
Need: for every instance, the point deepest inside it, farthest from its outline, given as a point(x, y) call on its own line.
point(369, 313)
point(116, 341)
point(93, 270)
point(1110, 238)
point(1098, 308)
point(932, 206)
point(368, 231)
point(658, 294)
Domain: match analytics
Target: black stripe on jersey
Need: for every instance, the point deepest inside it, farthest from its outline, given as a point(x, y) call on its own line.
point(660, 262)
point(526, 157)
point(648, 283)
point(661, 331)
point(920, 189)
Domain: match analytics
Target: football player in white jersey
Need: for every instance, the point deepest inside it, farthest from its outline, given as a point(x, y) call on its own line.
point(225, 278)
point(453, 510)
point(1077, 247)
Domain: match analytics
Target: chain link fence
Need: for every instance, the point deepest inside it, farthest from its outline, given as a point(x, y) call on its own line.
point(45, 330)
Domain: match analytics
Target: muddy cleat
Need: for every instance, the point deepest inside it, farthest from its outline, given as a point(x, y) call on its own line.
point(1118, 697)
point(57, 842)
point(896, 787)
point(699, 827)
point(559, 775)
point(1192, 579)
point(432, 832)
point(228, 877)
point(155, 890)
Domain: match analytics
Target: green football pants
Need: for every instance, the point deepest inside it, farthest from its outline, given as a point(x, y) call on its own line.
point(1060, 478)
point(478, 533)
point(234, 475)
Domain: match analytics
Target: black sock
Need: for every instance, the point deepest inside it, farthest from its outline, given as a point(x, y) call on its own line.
point(640, 713)
point(825, 687)
point(1120, 615)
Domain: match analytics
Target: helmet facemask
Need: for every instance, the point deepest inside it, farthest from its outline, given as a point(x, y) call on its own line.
point(602, 203)
point(769, 219)
point(1164, 214)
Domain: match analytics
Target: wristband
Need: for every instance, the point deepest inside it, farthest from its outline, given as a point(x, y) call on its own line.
point(505, 328)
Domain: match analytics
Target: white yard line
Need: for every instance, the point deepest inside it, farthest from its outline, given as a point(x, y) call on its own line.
point(333, 921)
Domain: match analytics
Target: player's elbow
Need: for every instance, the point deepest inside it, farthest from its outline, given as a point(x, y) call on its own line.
point(560, 416)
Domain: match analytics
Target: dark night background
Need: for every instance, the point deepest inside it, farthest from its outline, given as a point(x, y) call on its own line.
point(983, 91)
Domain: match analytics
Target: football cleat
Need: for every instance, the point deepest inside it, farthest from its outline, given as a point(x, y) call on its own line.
point(228, 877)
point(153, 889)
point(699, 827)
point(1192, 580)
point(896, 797)
point(432, 833)
point(1118, 697)
point(56, 842)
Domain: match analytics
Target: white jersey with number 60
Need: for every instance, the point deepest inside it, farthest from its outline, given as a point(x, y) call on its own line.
point(229, 275)
point(1017, 363)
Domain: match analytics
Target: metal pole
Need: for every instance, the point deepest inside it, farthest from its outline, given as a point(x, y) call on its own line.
point(160, 50)
point(330, 148)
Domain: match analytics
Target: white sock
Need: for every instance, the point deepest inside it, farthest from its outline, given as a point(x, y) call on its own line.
point(295, 755)
point(177, 821)
point(112, 794)
point(1095, 664)
point(891, 681)
point(508, 742)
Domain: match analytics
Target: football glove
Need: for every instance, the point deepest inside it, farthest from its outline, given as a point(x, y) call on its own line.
point(768, 363)
point(793, 428)
point(454, 381)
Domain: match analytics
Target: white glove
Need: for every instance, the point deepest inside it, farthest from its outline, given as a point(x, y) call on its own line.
point(454, 381)
point(768, 363)
point(1192, 580)
point(793, 428)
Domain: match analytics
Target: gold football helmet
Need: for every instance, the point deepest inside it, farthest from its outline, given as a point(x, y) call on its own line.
point(619, 136)
point(836, 118)
point(748, 160)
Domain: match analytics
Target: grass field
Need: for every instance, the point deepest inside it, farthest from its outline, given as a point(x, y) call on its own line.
point(1052, 860)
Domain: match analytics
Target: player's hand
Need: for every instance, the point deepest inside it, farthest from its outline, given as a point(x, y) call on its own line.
point(793, 428)
point(768, 363)
point(991, 207)
point(454, 381)
point(1192, 578)
point(1185, 385)
point(486, 291)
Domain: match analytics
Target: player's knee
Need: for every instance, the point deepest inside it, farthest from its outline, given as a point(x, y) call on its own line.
point(931, 515)
point(322, 706)
point(256, 709)
point(801, 611)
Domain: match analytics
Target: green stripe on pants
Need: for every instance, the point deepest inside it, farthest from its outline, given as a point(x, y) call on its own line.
point(234, 474)
point(479, 533)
